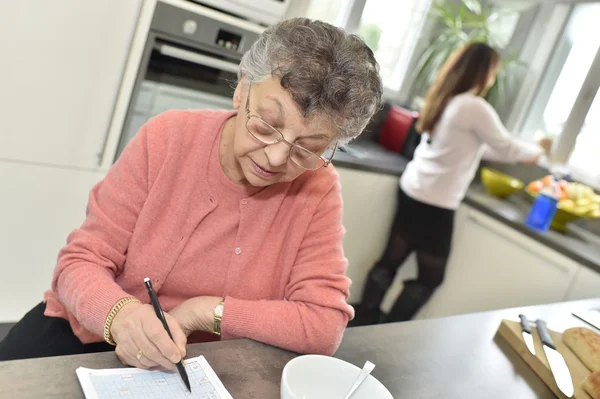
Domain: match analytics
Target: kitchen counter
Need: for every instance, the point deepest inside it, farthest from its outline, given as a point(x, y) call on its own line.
point(371, 157)
point(513, 212)
point(416, 359)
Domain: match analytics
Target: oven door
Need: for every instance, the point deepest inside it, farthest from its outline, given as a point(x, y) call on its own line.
point(178, 77)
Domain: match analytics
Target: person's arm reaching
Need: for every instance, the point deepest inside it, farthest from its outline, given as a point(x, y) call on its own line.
point(84, 278)
point(491, 155)
point(314, 314)
point(499, 145)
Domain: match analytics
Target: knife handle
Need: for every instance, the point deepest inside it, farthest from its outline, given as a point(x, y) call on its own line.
point(544, 334)
point(525, 323)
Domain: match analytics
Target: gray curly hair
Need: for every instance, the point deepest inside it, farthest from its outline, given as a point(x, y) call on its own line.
point(327, 71)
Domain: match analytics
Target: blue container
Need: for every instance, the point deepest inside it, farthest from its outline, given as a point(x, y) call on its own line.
point(542, 212)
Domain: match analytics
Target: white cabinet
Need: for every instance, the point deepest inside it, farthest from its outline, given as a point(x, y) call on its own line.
point(369, 206)
point(585, 285)
point(39, 207)
point(62, 64)
point(493, 266)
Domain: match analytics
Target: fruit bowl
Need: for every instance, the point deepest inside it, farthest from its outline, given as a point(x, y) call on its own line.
point(499, 184)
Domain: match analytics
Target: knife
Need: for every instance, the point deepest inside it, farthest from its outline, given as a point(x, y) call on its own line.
point(527, 337)
point(559, 368)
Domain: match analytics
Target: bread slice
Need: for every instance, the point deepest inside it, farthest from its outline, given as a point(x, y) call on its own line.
point(592, 385)
point(585, 343)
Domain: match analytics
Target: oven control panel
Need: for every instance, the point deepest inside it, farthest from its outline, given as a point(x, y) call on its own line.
point(229, 40)
point(206, 29)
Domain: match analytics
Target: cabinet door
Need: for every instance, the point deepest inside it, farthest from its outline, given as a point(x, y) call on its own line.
point(586, 285)
point(369, 206)
point(39, 207)
point(62, 63)
point(493, 266)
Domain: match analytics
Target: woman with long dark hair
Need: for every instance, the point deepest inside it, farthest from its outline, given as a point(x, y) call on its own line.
point(457, 126)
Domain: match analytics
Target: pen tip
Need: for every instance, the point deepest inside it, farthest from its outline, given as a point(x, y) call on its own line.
point(146, 279)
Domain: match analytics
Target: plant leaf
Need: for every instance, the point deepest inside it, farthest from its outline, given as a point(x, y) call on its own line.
point(473, 5)
point(467, 21)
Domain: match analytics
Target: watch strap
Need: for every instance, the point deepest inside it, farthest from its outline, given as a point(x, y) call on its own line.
point(218, 318)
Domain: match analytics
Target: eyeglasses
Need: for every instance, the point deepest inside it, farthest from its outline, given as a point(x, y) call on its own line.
point(267, 134)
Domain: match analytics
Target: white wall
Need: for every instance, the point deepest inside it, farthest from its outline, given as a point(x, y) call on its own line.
point(62, 73)
point(39, 207)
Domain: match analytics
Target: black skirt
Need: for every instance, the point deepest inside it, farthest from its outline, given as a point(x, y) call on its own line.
point(425, 227)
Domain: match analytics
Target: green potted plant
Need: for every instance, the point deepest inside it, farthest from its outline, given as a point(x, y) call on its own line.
point(458, 24)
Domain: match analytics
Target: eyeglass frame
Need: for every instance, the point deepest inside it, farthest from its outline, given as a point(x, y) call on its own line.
point(326, 162)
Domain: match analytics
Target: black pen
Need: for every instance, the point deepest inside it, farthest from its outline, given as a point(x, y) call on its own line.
point(161, 316)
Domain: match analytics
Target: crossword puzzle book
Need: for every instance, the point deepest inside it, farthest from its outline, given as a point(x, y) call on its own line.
point(134, 383)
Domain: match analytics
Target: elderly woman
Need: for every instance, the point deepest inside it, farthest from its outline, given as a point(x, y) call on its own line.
point(234, 215)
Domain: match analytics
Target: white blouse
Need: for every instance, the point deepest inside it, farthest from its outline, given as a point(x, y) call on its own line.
point(445, 162)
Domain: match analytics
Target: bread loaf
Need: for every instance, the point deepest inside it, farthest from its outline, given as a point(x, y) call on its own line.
point(592, 385)
point(585, 343)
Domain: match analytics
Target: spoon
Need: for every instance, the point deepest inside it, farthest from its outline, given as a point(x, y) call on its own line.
point(364, 373)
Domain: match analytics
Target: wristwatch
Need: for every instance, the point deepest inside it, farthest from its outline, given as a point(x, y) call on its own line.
point(218, 315)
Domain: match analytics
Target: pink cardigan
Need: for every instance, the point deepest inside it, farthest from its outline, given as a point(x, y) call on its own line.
point(284, 282)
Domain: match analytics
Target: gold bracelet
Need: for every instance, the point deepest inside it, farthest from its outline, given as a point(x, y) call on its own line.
point(111, 316)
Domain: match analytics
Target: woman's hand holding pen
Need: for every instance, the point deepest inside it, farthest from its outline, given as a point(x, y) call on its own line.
point(143, 342)
point(196, 314)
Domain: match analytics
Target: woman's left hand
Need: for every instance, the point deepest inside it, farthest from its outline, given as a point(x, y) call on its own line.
point(196, 314)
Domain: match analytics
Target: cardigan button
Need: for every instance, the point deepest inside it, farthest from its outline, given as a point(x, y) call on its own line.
point(244, 201)
point(238, 251)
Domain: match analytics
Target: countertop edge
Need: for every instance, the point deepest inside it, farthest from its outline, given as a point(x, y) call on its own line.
point(522, 228)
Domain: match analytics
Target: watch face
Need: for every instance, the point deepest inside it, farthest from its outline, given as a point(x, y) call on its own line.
point(219, 310)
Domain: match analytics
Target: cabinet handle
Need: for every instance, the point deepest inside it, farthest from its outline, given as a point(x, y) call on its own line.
point(197, 58)
point(494, 229)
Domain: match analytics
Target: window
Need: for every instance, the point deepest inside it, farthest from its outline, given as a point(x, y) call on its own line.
point(390, 28)
point(334, 12)
point(587, 146)
point(563, 78)
point(562, 107)
point(504, 26)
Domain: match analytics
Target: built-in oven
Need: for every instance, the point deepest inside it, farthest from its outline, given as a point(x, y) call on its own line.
point(190, 61)
point(266, 12)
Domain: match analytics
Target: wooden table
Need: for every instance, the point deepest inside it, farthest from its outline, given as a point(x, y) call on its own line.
point(454, 357)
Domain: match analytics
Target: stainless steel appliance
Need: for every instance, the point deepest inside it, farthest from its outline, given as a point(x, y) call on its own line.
point(190, 61)
point(266, 12)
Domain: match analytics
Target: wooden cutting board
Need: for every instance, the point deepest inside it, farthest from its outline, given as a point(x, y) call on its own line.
point(511, 332)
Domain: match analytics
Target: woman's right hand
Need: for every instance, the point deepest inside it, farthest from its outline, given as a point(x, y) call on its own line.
point(136, 330)
point(546, 144)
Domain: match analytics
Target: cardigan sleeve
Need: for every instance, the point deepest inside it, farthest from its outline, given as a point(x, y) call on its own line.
point(314, 313)
point(84, 277)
